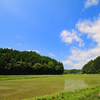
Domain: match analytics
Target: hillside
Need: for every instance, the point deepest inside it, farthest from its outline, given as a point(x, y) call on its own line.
point(92, 67)
point(19, 63)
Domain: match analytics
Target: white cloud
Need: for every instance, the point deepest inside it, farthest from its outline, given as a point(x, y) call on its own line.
point(52, 55)
point(28, 50)
point(92, 29)
point(89, 3)
point(81, 44)
point(36, 51)
point(69, 37)
point(81, 57)
point(69, 62)
point(91, 44)
point(8, 48)
point(78, 65)
point(33, 51)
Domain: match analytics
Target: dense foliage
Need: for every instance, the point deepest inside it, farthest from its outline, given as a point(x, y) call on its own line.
point(16, 62)
point(92, 67)
point(72, 71)
point(87, 93)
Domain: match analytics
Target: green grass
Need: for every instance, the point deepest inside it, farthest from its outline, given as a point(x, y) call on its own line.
point(28, 86)
point(89, 93)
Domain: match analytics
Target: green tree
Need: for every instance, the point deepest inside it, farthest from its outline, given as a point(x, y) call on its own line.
point(92, 67)
point(37, 68)
point(17, 62)
point(51, 68)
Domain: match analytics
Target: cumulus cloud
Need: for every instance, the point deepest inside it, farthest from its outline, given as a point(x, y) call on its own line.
point(89, 3)
point(92, 29)
point(52, 55)
point(33, 51)
point(81, 57)
point(69, 37)
point(69, 62)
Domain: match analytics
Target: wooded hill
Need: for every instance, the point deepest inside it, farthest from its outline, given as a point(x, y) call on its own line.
point(92, 67)
point(13, 62)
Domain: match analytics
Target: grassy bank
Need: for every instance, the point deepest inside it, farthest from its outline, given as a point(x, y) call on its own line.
point(89, 93)
point(28, 86)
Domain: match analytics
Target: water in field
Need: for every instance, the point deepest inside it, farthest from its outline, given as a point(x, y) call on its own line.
point(27, 86)
point(71, 84)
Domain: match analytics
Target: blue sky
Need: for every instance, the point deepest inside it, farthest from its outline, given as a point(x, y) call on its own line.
point(66, 30)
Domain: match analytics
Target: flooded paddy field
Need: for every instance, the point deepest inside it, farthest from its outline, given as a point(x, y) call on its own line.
point(28, 86)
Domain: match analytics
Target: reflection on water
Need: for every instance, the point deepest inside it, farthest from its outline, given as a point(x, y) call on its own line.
point(74, 84)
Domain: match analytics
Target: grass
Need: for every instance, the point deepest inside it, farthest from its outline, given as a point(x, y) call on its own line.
point(28, 86)
point(87, 93)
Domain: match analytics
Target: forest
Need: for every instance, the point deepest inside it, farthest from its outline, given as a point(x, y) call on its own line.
point(14, 62)
point(92, 67)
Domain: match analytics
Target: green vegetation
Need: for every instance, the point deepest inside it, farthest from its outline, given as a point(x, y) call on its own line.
point(13, 62)
point(92, 67)
point(72, 71)
point(16, 87)
point(90, 93)
point(20, 79)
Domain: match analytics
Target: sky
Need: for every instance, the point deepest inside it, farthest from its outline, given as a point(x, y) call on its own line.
point(65, 30)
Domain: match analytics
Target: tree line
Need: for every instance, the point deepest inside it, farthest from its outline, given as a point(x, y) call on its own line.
point(14, 62)
point(72, 71)
point(92, 67)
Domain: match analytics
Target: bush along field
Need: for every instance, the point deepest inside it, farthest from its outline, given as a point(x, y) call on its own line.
point(87, 93)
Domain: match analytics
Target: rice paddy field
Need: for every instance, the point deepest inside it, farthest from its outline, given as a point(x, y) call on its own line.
point(17, 87)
